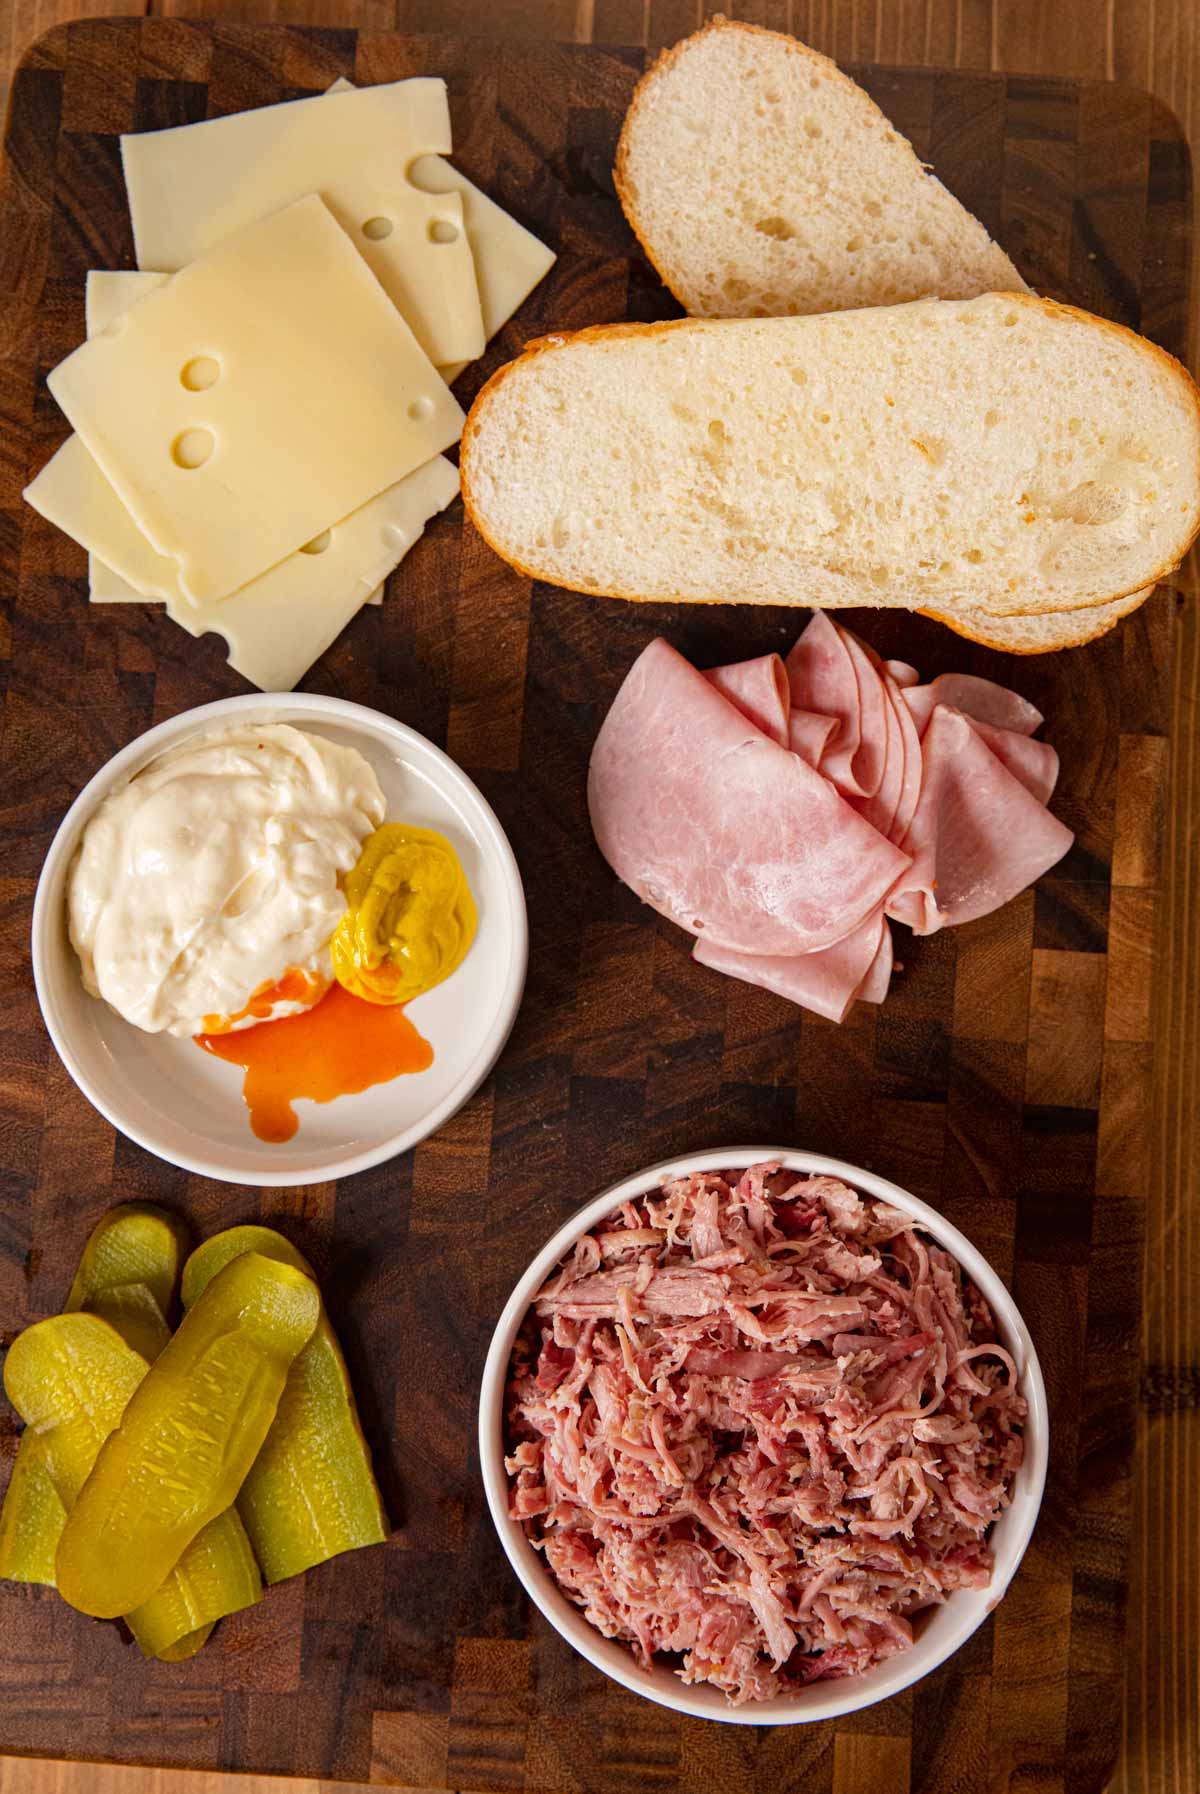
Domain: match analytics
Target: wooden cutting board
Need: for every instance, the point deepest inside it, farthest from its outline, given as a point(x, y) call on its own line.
point(1006, 1080)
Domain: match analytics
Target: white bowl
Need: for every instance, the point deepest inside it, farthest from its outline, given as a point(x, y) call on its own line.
point(186, 1105)
point(938, 1634)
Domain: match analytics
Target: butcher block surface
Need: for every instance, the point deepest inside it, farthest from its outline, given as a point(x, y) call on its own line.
point(1006, 1080)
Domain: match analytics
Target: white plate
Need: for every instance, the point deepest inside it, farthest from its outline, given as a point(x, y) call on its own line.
point(186, 1106)
point(938, 1633)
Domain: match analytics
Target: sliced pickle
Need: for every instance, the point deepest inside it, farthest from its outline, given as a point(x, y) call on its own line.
point(132, 1311)
point(135, 1243)
point(216, 1575)
point(311, 1492)
point(185, 1647)
point(188, 1436)
point(70, 1379)
point(32, 1517)
point(127, 1274)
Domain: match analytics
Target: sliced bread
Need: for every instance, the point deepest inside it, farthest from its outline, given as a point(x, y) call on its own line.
point(1044, 634)
point(763, 182)
point(1003, 455)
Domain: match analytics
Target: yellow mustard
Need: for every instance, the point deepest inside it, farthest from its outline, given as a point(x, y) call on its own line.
point(410, 918)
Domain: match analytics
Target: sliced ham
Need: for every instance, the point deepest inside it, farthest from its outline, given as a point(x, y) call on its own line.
point(809, 735)
point(827, 983)
point(910, 743)
point(869, 768)
point(759, 689)
point(721, 829)
point(782, 812)
point(880, 717)
point(1035, 763)
point(978, 837)
point(821, 678)
point(981, 699)
point(874, 987)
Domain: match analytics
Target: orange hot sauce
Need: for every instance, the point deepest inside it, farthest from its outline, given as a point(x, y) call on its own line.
point(296, 986)
point(338, 1047)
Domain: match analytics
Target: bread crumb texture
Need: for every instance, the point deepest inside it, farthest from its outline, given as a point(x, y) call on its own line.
point(763, 182)
point(1003, 455)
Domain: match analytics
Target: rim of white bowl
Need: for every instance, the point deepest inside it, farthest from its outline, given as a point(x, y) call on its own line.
point(820, 1700)
point(339, 712)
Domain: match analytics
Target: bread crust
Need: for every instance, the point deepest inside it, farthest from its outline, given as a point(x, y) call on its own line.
point(548, 345)
point(968, 627)
point(666, 59)
point(1023, 649)
point(662, 62)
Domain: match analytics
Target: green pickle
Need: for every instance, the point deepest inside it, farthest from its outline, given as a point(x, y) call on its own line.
point(128, 1274)
point(215, 1576)
point(311, 1493)
point(32, 1517)
point(190, 1431)
point(135, 1243)
point(70, 1379)
point(131, 1310)
point(185, 1647)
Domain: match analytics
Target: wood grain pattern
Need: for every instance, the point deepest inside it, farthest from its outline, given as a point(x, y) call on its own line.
point(755, 1055)
point(40, 1775)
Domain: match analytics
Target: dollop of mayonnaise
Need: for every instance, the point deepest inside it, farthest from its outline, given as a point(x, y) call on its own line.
point(216, 870)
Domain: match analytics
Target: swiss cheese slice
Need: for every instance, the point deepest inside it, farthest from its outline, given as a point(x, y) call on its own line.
point(284, 620)
point(192, 186)
point(72, 493)
point(109, 293)
point(258, 397)
point(280, 623)
point(105, 586)
point(509, 260)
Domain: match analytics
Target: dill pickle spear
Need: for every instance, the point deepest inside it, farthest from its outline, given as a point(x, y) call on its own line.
point(134, 1243)
point(128, 1274)
point(311, 1492)
point(216, 1575)
point(188, 1436)
point(32, 1517)
point(132, 1311)
point(187, 1646)
point(70, 1379)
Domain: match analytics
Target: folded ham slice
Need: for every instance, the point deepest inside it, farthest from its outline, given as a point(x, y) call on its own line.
point(874, 987)
point(828, 983)
point(783, 812)
point(979, 835)
point(981, 699)
point(910, 740)
point(809, 734)
point(722, 830)
point(870, 761)
point(822, 678)
point(1035, 763)
point(759, 689)
point(883, 722)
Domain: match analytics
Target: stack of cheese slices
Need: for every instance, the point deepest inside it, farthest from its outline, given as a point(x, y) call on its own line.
point(866, 405)
point(260, 411)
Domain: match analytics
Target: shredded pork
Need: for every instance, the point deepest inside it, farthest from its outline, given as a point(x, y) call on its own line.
point(756, 1425)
